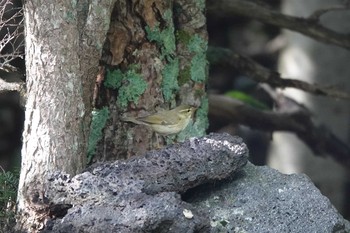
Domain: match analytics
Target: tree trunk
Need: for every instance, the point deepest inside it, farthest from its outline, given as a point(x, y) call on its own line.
point(156, 54)
point(157, 51)
point(63, 45)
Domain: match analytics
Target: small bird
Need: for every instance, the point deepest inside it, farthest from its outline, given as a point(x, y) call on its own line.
point(166, 122)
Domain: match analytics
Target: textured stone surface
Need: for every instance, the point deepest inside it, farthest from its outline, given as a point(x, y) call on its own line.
point(218, 195)
point(142, 194)
point(261, 199)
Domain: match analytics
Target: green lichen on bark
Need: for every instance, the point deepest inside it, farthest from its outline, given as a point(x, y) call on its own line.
point(201, 4)
point(114, 79)
point(198, 47)
point(70, 17)
point(184, 75)
point(165, 39)
point(99, 120)
point(199, 61)
point(183, 37)
point(130, 85)
point(201, 123)
point(169, 84)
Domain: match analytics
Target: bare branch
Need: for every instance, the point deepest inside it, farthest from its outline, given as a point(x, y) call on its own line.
point(12, 42)
point(318, 138)
point(13, 81)
point(307, 26)
point(255, 71)
point(319, 13)
point(7, 86)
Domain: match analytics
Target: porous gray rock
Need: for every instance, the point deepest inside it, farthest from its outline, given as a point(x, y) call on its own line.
point(143, 194)
point(260, 199)
point(201, 185)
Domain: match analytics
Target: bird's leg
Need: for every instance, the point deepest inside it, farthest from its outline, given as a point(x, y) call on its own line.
point(157, 145)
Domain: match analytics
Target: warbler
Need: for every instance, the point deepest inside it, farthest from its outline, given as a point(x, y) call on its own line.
point(166, 122)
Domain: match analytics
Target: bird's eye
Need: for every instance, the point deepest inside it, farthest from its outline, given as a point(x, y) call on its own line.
point(189, 110)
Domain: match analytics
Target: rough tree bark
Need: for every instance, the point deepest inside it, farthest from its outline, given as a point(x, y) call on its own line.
point(156, 58)
point(158, 48)
point(64, 41)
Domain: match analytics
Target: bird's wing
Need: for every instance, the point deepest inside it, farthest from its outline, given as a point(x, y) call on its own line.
point(160, 119)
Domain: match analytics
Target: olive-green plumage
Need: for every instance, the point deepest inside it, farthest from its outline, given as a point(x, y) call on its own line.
point(166, 122)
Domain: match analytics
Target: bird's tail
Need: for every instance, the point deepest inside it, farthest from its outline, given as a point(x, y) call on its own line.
point(132, 120)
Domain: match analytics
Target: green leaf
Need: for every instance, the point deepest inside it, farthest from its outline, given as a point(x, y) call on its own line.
point(247, 99)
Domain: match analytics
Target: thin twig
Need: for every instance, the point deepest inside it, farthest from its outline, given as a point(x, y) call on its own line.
point(12, 43)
